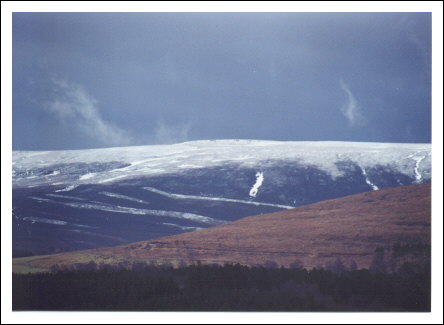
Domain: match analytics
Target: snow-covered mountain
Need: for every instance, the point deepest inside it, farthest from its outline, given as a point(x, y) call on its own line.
point(66, 200)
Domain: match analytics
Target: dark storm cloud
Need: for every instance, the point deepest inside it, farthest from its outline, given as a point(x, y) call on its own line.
point(165, 77)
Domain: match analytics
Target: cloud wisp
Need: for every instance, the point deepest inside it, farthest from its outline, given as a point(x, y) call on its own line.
point(351, 110)
point(168, 134)
point(72, 104)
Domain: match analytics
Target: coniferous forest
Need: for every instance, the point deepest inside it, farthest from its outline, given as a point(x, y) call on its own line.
point(232, 287)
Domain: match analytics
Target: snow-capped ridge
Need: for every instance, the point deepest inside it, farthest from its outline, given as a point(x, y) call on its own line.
point(111, 165)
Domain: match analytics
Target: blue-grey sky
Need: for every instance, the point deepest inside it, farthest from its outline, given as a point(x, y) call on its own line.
point(86, 80)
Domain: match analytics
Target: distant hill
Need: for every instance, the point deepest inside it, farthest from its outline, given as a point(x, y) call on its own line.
point(82, 199)
point(373, 229)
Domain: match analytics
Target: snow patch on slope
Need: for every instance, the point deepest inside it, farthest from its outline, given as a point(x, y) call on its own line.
point(367, 180)
point(255, 188)
point(87, 176)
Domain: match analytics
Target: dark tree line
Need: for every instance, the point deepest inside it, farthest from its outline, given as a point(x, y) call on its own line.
point(231, 287)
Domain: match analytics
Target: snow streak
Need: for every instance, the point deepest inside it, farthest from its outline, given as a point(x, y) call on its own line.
point(161, 213)
point(65, 197)
point(123, 197)
point(44, 220)
point(54, 222)
point(418, 175)
point(40, 199)
point(67, 189)
point(181, 227)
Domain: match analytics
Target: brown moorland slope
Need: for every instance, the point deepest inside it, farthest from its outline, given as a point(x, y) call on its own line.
point(348, 229)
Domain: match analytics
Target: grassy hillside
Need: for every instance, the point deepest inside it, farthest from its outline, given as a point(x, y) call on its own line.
point(388, 227)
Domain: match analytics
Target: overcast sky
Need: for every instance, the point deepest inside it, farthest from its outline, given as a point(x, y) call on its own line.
point(86, 80)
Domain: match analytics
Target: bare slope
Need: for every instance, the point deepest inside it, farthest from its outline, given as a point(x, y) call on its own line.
point(349, 228)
